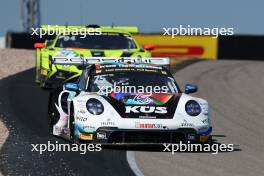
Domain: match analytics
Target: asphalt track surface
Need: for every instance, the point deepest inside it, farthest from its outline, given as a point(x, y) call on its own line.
point(26, 119)
point(234, 90)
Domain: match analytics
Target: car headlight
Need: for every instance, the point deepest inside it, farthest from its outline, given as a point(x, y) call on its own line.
point(94, 106)
point(192, 108)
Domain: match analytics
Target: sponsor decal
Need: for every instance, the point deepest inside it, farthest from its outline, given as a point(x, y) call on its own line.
point(88, 128)
point(86, 136)
point(180, 46)
point(146, 109)
point(66, 53)
point(147, 117)
point(141, 98)
point(44, 72)
point(186, 124)
point(205, 121)
point(101, 135)
point(81, 101)
point(204, 138)
point(108, 123)
point(148, 125)
point(81, 111)
point(81, 118)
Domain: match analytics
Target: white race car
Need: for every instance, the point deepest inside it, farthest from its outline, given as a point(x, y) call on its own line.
point(92, 110)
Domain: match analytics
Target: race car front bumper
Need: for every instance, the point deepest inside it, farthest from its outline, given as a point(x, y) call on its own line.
point(112, 135)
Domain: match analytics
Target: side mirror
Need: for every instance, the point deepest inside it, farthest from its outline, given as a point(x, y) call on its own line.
point(71, 86)
point(39, 45)
point(149, 47)
point(190, 88)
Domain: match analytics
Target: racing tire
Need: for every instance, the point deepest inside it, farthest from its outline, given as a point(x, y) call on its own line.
point(210, 140)
point(37, 77)
point(43, 84)
point(53, 114)
point(73, 138)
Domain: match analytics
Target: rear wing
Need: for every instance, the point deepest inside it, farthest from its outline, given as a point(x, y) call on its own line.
point(97, 60)
point(130, 29)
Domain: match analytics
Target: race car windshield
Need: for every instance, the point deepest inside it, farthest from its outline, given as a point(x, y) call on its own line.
point(104, 41)
point(133, 83)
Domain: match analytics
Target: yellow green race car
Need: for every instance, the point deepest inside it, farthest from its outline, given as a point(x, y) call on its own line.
point(107, 41)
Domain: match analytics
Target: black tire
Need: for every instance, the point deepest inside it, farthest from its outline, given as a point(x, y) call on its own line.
point(53, 114)
point(73, 138)
point(37, 77)
point(210, 140)
point(42, 81)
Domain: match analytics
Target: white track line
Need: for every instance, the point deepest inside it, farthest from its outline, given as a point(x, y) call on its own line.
point(130, 155)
